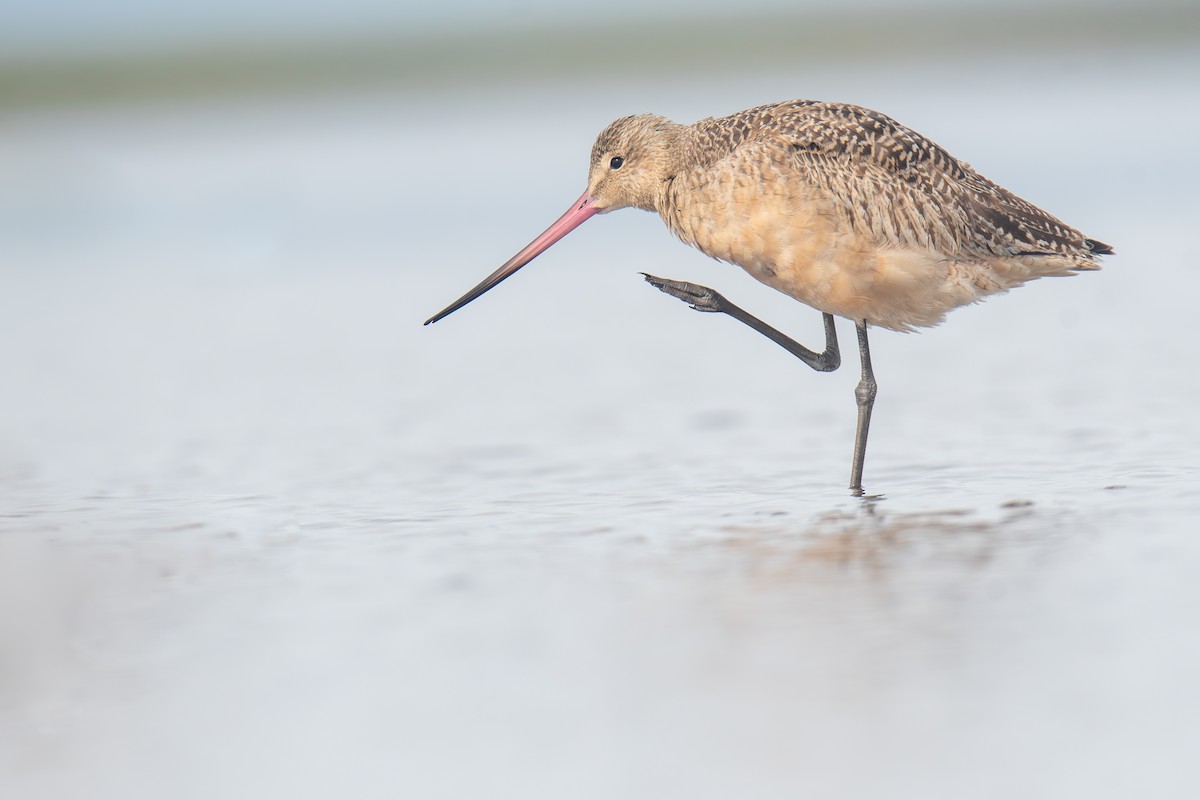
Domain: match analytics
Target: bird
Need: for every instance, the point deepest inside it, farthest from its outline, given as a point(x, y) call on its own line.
point(833, 204)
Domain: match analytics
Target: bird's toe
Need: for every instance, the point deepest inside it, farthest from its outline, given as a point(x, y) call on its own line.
point(698, 297)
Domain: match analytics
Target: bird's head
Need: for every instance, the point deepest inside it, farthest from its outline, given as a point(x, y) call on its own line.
point(630, 160)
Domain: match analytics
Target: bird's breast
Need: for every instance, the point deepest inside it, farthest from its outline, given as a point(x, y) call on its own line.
point(783, 233)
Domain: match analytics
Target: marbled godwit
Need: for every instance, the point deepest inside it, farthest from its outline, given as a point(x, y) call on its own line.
point(835, 205)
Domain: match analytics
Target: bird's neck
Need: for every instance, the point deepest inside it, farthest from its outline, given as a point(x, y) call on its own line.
point(672, 156)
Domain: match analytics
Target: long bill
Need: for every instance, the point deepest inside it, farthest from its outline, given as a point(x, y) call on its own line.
point(576, 215)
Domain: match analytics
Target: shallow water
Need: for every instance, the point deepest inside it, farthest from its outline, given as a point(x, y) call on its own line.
point(265, 535)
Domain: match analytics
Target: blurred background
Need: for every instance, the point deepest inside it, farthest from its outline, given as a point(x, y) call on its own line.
point(262, 534)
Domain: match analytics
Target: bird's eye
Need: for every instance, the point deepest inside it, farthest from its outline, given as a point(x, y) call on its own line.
point(616, 162)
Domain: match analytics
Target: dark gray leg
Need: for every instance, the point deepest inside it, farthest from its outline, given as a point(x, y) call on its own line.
point(702, 298)
point(864, 395)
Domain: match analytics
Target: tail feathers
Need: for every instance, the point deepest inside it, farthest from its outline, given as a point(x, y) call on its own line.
point(1098, 247)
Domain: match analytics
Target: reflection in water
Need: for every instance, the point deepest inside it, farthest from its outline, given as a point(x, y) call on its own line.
point(874, 539)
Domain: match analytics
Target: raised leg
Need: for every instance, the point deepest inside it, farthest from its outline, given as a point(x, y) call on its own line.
point(702, 298)
point(864, 395)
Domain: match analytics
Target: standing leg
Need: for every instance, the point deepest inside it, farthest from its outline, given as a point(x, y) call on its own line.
point(864, 395)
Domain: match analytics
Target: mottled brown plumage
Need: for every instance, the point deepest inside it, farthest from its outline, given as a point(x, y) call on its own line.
point(838, 206)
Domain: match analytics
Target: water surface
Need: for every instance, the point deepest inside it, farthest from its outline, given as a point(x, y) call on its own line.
point(265, 535)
